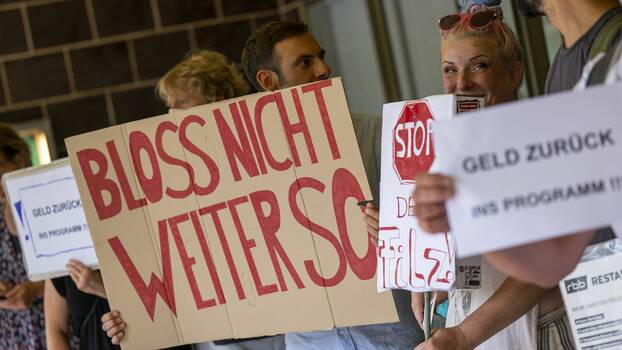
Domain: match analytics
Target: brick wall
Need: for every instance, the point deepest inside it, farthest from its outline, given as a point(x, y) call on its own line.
point(81, 65)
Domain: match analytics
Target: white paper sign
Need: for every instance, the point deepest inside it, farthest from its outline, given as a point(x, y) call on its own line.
point(533, 170)
point(409, 258)
point(592, 297)
point(50, 220)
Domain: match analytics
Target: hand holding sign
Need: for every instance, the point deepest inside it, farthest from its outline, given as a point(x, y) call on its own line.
point(87, 280)
point(417, 303)
point(114, 326)
point(371, 217)
point(430, 195)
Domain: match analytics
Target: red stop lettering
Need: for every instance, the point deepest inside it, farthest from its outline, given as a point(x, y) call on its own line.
point(412, 141)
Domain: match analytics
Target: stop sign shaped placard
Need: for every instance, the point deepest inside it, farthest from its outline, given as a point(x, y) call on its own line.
point(412, 144)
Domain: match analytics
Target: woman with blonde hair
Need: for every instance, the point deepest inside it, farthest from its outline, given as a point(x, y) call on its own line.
point(480, 56)
point(203, 77)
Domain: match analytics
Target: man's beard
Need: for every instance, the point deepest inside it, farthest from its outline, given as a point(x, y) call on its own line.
point(530, 8)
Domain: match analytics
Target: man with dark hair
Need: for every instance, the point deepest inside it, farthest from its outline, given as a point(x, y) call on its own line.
point(258, 60)
point(283, 54)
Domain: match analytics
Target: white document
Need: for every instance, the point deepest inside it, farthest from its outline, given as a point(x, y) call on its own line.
point(409, 258)
point(533, 170)
point(592, 297)
point(50, 219)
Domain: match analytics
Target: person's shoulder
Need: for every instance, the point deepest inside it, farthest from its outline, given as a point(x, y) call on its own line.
point(60, 284)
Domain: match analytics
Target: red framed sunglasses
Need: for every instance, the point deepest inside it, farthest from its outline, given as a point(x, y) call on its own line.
point(475, 20)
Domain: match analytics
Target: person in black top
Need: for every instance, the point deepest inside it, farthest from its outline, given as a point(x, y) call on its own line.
point(78, 300)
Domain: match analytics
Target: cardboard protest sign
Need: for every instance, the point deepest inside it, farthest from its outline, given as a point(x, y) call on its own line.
point(49, 218)
point(533, 170)
point(592, 297)
point(408, 257)
point(233, 220)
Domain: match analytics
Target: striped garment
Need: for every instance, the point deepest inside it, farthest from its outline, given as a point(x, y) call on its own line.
point(554, 331)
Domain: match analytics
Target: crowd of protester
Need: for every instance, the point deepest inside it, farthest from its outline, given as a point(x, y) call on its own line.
point(518, 306)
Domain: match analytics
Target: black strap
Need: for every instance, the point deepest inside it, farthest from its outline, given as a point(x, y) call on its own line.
point(602, 235)
point(601, 69)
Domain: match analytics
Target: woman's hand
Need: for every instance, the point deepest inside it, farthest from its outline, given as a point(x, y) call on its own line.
point(430, 195)
point(22, 296)
point(114, 326)
point(417, 301)
point(371, 217)
point(87, 280)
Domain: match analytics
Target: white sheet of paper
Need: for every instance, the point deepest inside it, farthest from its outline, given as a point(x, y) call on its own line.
point(592, 297)
point(533, 170)
point(408, 257)
point(50, 220)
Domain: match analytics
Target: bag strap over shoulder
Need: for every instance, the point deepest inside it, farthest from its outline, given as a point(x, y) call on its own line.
point(607, 36)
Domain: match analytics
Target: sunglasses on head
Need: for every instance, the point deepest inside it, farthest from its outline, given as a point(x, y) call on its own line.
point(475, 20)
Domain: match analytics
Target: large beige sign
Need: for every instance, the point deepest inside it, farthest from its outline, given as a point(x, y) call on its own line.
point(233, 220)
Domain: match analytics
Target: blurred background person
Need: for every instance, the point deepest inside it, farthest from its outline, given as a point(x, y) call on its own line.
point(21, 303)
point(203, 77)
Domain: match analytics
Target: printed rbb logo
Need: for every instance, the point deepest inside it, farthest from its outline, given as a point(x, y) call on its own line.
point(576, 284)
point(412, 141)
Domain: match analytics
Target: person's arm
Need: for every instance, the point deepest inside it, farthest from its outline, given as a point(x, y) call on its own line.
point(543, 263)
point(22, 295)
point(431, 193)
point(56, 319)
point(510, 301)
